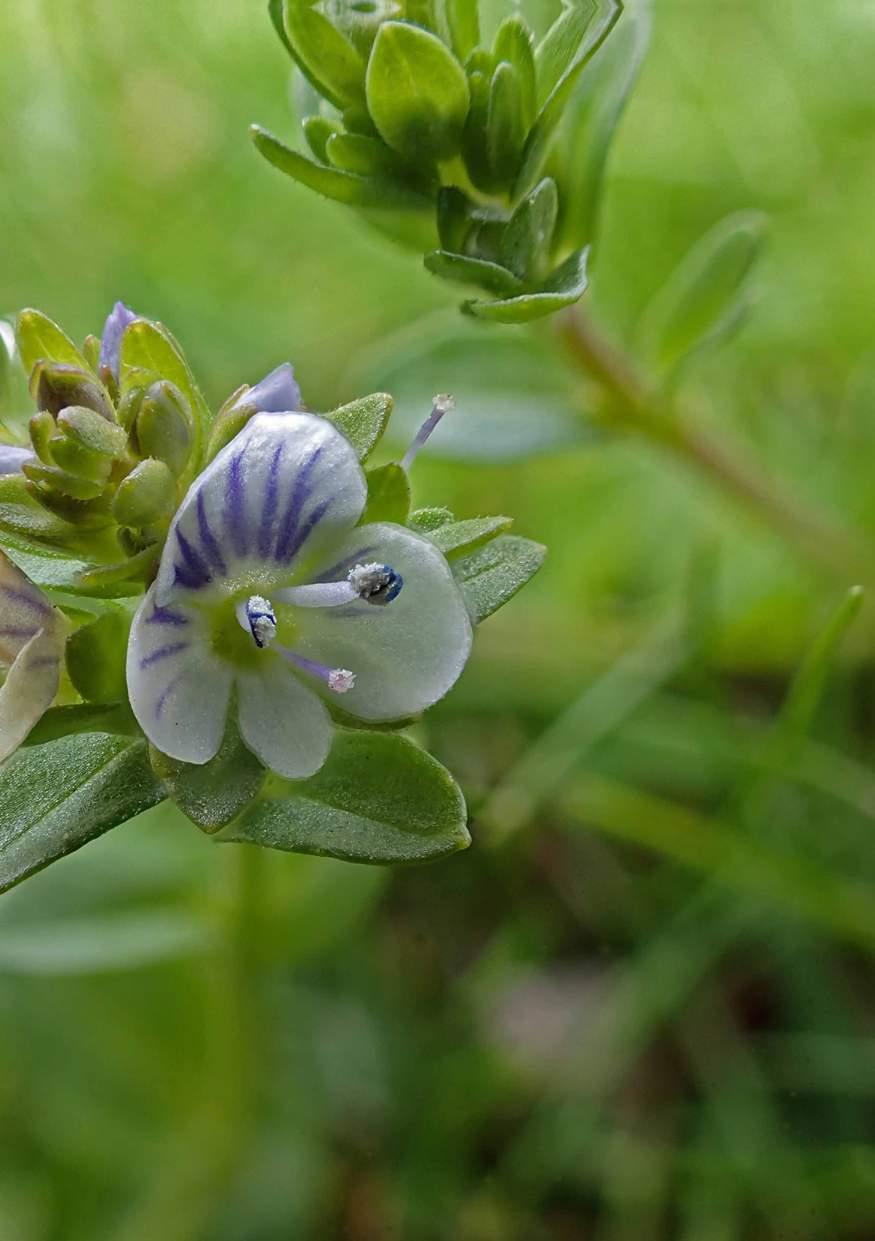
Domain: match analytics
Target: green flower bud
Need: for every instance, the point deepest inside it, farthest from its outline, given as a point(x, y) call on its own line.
point(93, 432)
point(147, 497)
point(164, 427)
point(80, 461)
point(472, 130)
point(55, 385)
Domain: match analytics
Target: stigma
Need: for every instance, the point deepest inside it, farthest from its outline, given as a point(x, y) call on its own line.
point(441, 405)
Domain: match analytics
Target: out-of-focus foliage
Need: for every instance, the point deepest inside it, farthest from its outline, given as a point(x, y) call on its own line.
point(640, 1005)
point(452, 126)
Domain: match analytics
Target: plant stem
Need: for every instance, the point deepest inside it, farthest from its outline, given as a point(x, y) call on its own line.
point(634, 408)
point(200, 1162)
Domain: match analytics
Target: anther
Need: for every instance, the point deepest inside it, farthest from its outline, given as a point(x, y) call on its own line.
point(338, 680)
point(375, 583)
point(257, 615)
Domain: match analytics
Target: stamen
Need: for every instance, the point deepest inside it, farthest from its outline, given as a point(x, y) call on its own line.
point(375, 583)
point(338, 680)
point(442, 404)
point(257, 616)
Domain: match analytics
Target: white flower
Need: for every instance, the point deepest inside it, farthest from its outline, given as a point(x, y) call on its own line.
point(32, 637)
point(269, 594)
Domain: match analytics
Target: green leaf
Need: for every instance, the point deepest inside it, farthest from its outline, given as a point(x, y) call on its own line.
point(427, 520)
point(22, 515)
point(388, 495)
point(214, 793)
point(514, 43)
point(48, 569)
point(514, 396)
point(705, 298)
point(317, 131)
point(379, 799)
point(275, 9)
point(560, 47)
point(597, 109)
point(494, 573)
point(104, 943)
point(527, 240)
point(475, 146)
point(464, 24)
point(465, 270)
point(54, 798)
point(454, 219)
point(566, 286)
point(541, 134)
point(357, 153)
point(417, 93)
point(342, 187)
point(84, 717)
point(505, 125)
point(148, 346)
point(364, 421)
point(96, 658)
point(39, 338)
point(325, 56)
point(458, 538)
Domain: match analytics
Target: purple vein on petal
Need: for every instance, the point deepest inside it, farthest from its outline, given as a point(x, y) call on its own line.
point(164, 616)
point(43, 661)
point(208, 539)
point(165, 694)
point(163, 652)
point(268, 513)
point(306, 530)
point(235, 501)
point(195, 572)
point(18, 631)
point(299, 497)
point(27, 598)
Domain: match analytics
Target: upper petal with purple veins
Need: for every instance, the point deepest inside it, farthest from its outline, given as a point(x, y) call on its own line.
point(111, 340)
point(32, 637)
point(287, 487)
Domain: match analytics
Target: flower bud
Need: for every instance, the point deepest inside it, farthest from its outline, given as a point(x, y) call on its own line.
point(55, 385)
point(147, 497)
point(473, 130)
point(164, 427)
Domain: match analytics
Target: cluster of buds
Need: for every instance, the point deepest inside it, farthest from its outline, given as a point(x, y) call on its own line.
point(451, 132)
point(112, 438)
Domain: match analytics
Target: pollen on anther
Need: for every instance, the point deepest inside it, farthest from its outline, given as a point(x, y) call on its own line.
point(262, 621)
point(341, 680)
point(375, 583)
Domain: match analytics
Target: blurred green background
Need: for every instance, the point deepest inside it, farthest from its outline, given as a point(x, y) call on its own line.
point(642, 1006)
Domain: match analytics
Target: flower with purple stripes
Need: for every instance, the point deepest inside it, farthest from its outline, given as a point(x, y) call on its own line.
point(32, 637)
point(271, 595)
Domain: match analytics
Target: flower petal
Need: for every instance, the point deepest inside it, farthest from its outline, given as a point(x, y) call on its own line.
point(32, 637)
point(13, 458)
point(277, 393)
point(405, 654)
point(288, 486)
point(179, 690)
point(111, 340)
point(283, 723)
